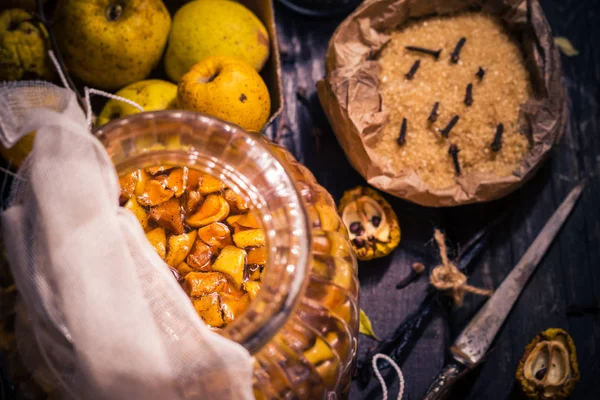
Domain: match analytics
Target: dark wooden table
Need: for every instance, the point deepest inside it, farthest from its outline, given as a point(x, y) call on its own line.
point(569, 274)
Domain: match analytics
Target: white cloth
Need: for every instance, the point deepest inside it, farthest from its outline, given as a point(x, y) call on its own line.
point(124, 329)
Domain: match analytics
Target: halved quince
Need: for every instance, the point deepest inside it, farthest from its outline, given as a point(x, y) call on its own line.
point(548, 368)
point(372, 225)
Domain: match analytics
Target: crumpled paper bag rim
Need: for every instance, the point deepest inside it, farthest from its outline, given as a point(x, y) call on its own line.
point(351, 86)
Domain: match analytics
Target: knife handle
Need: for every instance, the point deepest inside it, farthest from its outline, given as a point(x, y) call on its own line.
point(441, 387)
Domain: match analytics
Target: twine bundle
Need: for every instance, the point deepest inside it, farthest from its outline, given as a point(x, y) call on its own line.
point(447, 276)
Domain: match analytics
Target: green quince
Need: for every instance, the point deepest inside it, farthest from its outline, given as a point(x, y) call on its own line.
point(23, 47)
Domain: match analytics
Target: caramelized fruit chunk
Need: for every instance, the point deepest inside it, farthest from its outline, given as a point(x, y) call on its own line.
point(138, 211)
point(179, 248)
point(249, 220)
point(235, 202)
point(158, 239)
point(194, 179)
point(208, 308)
point(183, 269)
point(252, 288)
point(232, 219)
point(215, 235)
point(127, 183)
point(154, 194)
point(232, 306)
point(199, 283)
point(200, 256)
point(249, 238)
point(209, 184)
point(214, 209)
point(257, 256)
point(231, 261)
point(193, 200)
point(142, 178)
point(319, 353)
point(168, 215)
point(157, 169)
point(253, 272)
point(177, 180)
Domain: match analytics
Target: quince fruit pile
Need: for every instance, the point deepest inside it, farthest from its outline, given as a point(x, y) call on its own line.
point(212, 52)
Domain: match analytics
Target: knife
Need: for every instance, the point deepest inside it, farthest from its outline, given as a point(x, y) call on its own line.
point(474, 341)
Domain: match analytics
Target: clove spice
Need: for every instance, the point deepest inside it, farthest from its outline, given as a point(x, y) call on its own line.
point(497, 143)
point(434, 112)
point(469, 95)
point(453, 150)
point(415, 273)
point(455, 56)
point(434, 53)
point(480, 73)
point(402, 138)
point(446, 131)
point(413, 70)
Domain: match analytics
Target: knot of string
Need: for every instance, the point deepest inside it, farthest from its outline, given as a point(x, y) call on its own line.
point(384, 388)
point(448, 277)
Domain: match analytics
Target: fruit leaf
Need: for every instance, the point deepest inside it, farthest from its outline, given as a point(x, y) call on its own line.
point(565, 46)
point(365, 326)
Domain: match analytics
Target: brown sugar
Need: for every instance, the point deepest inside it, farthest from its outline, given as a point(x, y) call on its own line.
point(482, 101)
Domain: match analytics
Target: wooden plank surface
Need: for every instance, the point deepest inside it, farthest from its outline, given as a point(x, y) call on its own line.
point(569, 274)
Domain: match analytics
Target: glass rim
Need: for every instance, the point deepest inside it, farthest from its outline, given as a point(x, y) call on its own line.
point(275, 307)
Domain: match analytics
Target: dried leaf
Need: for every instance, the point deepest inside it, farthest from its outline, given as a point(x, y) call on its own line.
point(565, 46)
point(365, 326)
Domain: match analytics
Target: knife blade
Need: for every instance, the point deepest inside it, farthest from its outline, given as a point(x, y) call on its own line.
point(476, 338)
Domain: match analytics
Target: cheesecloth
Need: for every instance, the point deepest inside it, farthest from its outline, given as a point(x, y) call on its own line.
point(103, 309)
